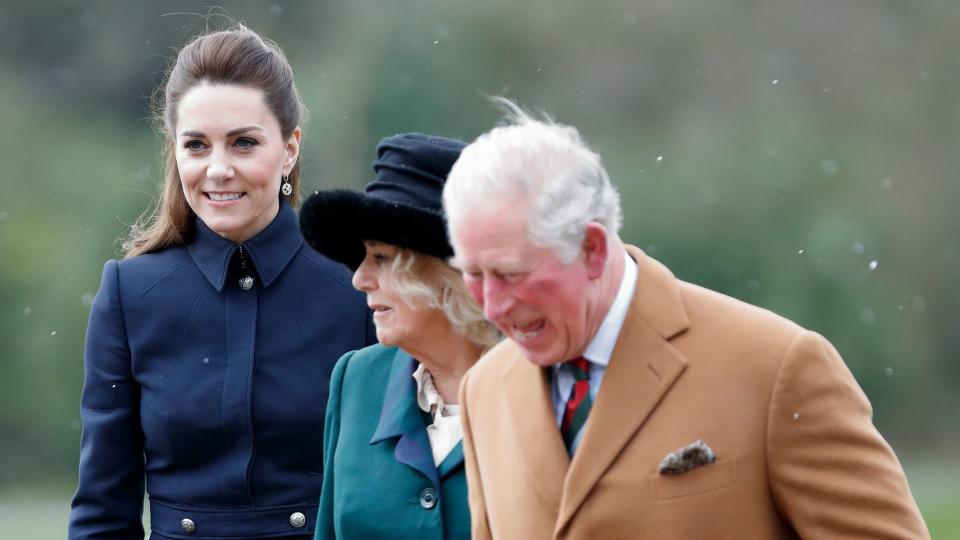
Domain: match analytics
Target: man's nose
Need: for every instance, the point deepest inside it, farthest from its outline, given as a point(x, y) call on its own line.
point(497, 302)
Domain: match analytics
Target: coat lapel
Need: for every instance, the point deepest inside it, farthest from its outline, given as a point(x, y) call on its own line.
point(401, 418)
point(643, 368)
point(452, 461)
point(532, 418)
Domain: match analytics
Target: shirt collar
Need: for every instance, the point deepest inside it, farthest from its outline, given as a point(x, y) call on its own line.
point(270, 250)
point(601, 346)
point(428, 397)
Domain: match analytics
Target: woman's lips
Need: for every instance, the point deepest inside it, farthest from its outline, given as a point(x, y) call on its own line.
point(379, 309)
point(223, 198)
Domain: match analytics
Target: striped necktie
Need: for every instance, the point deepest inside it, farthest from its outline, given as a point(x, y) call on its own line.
point(578, 406)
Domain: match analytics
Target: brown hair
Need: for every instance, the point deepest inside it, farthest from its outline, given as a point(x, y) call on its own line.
point(237, 56)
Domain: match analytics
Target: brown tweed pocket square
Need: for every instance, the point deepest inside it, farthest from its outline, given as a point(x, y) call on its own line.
point(694, 455)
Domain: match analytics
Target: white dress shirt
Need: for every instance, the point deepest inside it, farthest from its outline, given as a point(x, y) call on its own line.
point(599, 350)
point(445, 431)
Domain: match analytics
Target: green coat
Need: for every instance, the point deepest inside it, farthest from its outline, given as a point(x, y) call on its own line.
point(379, 478)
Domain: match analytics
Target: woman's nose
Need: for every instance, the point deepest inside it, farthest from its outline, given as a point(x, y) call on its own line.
point(362, 279)
point(219, 167)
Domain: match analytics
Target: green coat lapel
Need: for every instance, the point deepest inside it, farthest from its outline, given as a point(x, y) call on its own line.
point(401, 418)
point(453, 460)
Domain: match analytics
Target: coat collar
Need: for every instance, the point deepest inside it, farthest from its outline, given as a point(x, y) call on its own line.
point(271, 250)
point(401, 417)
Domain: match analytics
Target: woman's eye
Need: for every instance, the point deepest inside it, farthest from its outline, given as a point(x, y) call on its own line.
point(380, 259)
point(246, 142)
point(194, 145)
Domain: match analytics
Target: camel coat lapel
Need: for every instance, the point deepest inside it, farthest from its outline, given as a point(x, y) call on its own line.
point(546, 461)
point(642, 370)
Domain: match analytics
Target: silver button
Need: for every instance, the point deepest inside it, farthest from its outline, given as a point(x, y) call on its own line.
point(428, 498)
point(297, 520)
point(246, 283)
point(188, 525)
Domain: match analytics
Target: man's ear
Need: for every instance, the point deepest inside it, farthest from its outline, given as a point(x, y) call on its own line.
point(594, 248)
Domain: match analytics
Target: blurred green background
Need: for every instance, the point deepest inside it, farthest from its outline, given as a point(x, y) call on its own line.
point(801, 156)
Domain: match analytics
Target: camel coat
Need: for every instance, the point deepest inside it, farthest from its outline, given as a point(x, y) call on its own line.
point(797, 453)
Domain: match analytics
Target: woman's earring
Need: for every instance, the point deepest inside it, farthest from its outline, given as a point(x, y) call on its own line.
point(285, 186)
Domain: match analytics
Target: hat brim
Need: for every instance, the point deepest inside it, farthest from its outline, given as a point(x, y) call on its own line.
point(336, 223)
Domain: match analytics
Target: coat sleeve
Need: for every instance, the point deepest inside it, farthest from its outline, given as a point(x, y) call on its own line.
point(832, 473)
point(109, 498)
point(331, 432)
point(479, 525)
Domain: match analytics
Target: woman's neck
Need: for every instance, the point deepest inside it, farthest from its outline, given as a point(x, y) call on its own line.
point(447, 358)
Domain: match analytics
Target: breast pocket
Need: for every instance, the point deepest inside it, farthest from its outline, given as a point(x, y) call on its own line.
point(700, 480)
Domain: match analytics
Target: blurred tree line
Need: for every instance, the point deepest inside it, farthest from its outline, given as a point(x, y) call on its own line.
point(800, 156)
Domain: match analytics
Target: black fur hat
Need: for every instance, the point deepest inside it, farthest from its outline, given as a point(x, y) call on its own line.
point(403, 206)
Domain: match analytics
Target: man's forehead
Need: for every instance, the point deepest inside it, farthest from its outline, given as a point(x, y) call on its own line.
point(493, 238)
point(505, 255)
point(500, 260)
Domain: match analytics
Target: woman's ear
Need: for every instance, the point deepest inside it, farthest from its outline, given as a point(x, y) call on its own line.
point(293, 150)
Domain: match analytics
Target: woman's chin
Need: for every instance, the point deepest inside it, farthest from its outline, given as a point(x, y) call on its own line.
point(385, 337)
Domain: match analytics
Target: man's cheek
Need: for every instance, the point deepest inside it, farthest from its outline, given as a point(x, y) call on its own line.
point(476, 291)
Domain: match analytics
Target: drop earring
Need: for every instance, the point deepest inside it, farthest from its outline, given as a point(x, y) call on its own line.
point(285, 186)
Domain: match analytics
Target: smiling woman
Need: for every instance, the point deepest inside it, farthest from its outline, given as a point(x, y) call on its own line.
point(231, 157)
point(205, 378)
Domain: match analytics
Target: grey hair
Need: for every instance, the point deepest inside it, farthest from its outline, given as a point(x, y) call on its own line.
point(424, 280)
point(546, 165)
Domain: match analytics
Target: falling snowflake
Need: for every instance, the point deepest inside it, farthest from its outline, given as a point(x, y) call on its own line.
point(828, 167)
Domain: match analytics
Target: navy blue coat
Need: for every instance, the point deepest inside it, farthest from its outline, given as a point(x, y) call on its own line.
point(213, 394)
